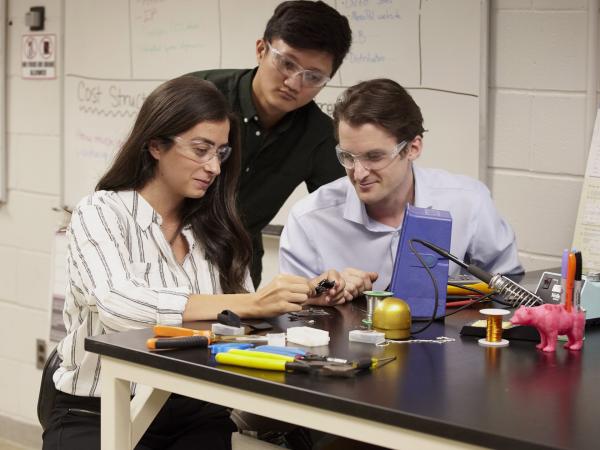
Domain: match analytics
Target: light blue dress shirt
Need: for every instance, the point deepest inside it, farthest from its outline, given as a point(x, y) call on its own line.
point(330, 229)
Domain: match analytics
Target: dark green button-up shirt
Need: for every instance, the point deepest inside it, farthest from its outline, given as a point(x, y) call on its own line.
point(300, 148)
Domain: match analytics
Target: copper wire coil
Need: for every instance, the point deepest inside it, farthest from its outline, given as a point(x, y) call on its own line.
point(493, 332)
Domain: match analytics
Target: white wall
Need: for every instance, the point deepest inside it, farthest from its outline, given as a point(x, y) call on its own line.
point(537, 154)
point(27, 220)
point(538, 142)
point(537, 117)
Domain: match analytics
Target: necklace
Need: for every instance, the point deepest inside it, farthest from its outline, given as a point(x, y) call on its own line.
point(167, 230)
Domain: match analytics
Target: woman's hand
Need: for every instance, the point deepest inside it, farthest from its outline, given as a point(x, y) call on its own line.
point(357, 281)
point(285, 293)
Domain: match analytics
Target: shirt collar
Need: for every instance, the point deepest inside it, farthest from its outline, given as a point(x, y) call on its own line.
point(139, 209)
point(248, 110)
point(355, 211)
point(423, 198)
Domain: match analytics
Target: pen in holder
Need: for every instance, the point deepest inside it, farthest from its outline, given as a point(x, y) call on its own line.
point(373, 298)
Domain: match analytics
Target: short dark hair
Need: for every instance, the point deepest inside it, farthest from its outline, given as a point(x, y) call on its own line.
point(311, 25)
point(173, 108)
point(381, 102)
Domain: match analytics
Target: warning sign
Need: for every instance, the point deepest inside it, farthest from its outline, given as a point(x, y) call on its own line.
point(39, 56)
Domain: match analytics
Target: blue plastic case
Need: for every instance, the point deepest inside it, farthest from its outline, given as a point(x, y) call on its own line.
point(410, 281)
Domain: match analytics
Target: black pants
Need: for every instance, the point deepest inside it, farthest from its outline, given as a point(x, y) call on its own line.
point(182, 423)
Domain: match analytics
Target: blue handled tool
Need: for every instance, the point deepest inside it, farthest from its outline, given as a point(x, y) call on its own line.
point(224, 347)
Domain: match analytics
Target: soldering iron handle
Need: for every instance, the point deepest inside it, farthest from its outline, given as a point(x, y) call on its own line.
point(479, 273)
point(473, 270)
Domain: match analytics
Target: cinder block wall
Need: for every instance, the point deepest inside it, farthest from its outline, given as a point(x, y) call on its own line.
point(538, 142)
point(27, 221)
point(537, 154)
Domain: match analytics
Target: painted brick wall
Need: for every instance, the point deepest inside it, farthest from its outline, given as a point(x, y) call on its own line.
point(27, 220)
point(538, 143)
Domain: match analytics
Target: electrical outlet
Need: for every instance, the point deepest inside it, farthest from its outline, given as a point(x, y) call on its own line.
point(40, 353)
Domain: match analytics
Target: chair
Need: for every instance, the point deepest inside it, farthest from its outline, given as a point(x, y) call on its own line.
point(47, 395)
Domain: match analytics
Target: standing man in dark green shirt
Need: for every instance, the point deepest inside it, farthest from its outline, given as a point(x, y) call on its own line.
point(286, 138)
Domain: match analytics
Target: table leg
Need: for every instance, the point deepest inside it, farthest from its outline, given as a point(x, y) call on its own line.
point(115, 428)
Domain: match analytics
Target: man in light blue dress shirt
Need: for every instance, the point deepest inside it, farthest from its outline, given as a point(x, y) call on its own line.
point(353, 224)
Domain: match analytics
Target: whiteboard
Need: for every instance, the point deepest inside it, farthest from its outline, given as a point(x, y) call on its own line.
point(586, 237)
point(432, 47)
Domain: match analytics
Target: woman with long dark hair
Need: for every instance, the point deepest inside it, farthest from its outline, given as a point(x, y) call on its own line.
point(160, 242)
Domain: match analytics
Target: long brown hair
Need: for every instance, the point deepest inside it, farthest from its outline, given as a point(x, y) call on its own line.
point(173, 108)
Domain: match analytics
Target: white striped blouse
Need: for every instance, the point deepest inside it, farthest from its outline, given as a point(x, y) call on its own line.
point(122, 275)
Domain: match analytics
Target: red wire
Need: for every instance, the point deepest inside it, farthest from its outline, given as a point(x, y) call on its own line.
point(459, 303)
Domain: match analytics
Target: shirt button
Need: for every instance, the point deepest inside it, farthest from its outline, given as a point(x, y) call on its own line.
point(258, 133)
point(247, 169)
point(245, 120)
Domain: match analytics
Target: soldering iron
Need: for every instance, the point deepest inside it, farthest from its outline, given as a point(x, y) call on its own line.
point(514, 294)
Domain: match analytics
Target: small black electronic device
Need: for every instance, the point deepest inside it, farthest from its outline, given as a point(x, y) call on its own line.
point(228, 317)
point(324, 285)
point(548, 288)
point(258, 326)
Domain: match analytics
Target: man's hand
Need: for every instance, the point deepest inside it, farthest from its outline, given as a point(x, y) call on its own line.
point(331, 296)
point(357, 281)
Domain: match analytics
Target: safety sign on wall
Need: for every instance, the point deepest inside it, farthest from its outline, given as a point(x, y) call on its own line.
point(38, 56)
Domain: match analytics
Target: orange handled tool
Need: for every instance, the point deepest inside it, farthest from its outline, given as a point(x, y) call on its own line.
point(168, 331)
point(177, 342)
point(177, 337)
point(173, 335)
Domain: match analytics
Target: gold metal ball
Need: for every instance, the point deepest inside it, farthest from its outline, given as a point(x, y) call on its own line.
point(392, 317)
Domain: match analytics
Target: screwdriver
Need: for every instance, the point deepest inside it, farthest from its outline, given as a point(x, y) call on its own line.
point(370, 363)
point(169, 331)
point(179, 337)
point(177, 342)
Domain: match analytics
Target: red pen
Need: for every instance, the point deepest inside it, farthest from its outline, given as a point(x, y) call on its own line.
point(570, 282)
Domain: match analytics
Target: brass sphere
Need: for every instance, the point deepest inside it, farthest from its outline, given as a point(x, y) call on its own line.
point(392, 317)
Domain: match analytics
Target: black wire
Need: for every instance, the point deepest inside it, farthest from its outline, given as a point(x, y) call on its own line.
point(435, 288)
point(453, 258)
point(443, 253)
point(483, 298)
